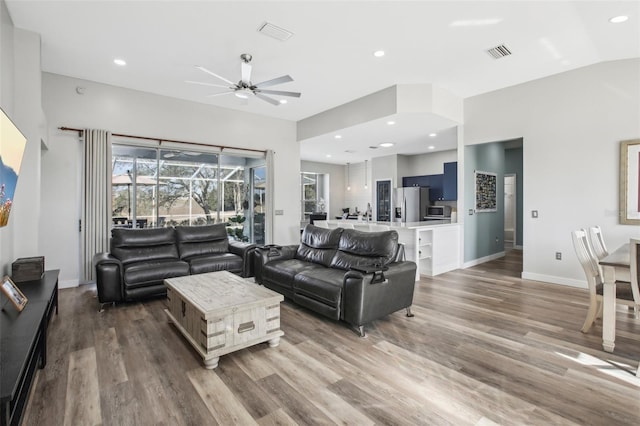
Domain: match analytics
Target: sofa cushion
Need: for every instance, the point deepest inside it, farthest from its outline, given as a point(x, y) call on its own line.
point(324, 285)
point(143, 245)
point(216, 262)
point(195, 241)
point(283, 271)
point(364, 249)
point(318, 245)
point(147, 273)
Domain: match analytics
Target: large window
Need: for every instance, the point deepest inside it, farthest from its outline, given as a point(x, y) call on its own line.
point(313, 193)
point(156, 187)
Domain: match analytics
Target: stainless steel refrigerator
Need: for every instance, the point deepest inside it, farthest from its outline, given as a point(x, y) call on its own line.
point(410, 204)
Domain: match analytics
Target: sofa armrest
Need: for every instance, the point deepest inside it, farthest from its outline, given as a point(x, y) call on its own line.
point(108, 278)
point(268, 253)
point(245, 251)
point(367, 298)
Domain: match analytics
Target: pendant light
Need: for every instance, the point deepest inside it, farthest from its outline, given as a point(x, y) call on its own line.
point(365, 174)
point(348, 180)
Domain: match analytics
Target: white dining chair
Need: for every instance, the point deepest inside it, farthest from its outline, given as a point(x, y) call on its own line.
point(624, 290)
point(321, 224)
point(597, 242)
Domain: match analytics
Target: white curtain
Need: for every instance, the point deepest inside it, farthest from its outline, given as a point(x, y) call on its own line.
point(270, 202)
point(96, 193)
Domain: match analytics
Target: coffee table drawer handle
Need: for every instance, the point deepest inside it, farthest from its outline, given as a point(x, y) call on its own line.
point(246, 326)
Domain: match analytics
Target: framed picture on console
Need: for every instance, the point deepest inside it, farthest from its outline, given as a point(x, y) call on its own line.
point(13, 293)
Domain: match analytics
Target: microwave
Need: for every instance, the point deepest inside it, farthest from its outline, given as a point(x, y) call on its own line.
point(439, 211)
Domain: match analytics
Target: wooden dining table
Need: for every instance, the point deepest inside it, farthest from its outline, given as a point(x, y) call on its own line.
point(615, 266)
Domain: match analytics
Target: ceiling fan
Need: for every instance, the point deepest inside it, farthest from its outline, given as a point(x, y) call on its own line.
point(245, 88)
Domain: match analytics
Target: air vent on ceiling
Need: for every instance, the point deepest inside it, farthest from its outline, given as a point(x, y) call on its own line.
point(373, 147)
point(499, 51)
point(348, 151)
point(275, 31)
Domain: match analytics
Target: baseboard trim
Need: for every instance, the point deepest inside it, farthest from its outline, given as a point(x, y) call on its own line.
point(68, 283)
point(482, 260)
point(554, 280)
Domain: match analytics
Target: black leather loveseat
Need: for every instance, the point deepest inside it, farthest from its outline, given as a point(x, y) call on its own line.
point(343, 274)
point(140, 259)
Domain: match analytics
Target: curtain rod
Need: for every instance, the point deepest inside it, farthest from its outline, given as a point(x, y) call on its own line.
point(222, 147)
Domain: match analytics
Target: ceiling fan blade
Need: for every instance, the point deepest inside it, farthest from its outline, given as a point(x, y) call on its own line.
point(280, 93)
point(246, 72)
point(220, 94)
point(279, 80)
point(203, 69)
point(206, 84)
point(268, 99)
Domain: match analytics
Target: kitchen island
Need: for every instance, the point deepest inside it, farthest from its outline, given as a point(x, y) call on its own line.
point(434, 244)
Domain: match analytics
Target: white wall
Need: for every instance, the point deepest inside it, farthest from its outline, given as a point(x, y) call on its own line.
point(358, 196)
point(572, 125)
point(428, 164)
point(20, 80)
point(127, 111)
point(337, 185)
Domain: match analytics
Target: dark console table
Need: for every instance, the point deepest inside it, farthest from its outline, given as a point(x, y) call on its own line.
point(23, 345)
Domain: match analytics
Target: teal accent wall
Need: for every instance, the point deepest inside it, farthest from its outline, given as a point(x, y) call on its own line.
point(513, 165)
point(482, 229)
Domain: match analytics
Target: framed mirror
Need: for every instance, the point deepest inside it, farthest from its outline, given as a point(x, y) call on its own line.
point(630, 182)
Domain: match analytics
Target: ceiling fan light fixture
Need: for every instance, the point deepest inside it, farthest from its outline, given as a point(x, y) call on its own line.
point(242, 95)
point(378, 53)
point(283, 101)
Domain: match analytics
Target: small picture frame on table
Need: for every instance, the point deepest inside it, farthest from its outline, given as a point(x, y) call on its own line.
point(13, 293)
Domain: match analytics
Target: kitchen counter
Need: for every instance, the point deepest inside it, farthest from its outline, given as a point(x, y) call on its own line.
point(393, 225)
point(433, 244)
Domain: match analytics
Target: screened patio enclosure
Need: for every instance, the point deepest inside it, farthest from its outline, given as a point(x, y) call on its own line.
point(157, 187)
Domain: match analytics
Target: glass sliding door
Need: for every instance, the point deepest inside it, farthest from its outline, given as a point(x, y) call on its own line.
point(188, 188)
point(259, 193)
point(133, 183)
point(158, 186)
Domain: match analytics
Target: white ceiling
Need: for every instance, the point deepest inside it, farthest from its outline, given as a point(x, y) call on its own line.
point(330, 55)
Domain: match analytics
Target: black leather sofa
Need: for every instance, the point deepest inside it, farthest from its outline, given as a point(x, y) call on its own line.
point(141, 259)
point(343, 274)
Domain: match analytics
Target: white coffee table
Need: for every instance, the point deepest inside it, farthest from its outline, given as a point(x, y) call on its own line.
point(219, 313)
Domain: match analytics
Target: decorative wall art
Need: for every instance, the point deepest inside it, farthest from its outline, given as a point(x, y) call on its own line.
point(486, 192)
point(630, 182)
point(12, 144)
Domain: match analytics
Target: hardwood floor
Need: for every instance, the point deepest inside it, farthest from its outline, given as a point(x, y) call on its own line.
point(484, 347)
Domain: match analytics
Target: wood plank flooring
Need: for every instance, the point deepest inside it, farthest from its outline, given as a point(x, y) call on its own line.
point(485, 347)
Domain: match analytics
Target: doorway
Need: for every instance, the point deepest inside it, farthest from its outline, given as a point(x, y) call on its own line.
point(510, 209)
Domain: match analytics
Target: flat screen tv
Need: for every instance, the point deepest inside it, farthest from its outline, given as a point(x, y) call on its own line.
point(12, 143)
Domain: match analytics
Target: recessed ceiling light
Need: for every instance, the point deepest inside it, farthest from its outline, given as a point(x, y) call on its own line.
point(433, 135)
point(386, 144)
point(283, 101)
point(618, 19)
point(391, 123)
point(328, 155)
point(338, 136)
point(431, 147)
point(120, 62)
point(378, 53)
